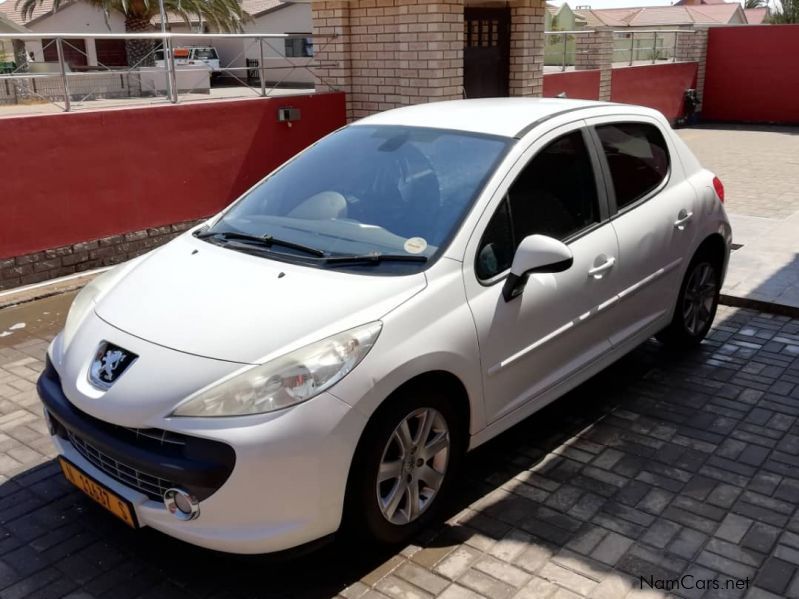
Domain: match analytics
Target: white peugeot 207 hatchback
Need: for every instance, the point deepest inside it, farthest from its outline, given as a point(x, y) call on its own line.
point(323, 352)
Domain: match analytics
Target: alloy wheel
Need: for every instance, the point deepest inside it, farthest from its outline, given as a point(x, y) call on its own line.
point(413, 466)
point(699, 298)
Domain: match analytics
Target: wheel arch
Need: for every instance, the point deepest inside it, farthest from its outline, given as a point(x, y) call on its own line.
point(443, 381)
point(714, 246)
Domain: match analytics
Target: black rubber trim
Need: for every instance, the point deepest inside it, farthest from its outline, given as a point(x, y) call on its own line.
point(200, 466)
point(548, 117)
point(514, 285)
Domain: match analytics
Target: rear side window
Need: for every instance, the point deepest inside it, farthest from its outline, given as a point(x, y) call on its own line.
point(638, 159)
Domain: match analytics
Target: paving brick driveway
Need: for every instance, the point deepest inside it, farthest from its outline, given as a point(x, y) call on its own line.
point(666, 464)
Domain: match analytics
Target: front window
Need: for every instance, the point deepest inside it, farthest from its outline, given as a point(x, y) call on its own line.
point(381, 191)
point(297, 47)
point(554, 195)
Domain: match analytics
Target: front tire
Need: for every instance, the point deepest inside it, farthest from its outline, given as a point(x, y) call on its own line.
point(404, 466)
point(696, 303)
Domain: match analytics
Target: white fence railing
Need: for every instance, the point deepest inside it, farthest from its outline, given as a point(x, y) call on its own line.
point(61, 68)
point(563, 48)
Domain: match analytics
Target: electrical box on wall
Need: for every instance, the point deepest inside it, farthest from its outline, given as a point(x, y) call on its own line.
point(287, 115)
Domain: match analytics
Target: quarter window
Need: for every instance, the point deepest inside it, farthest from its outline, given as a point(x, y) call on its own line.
point(637, 157)
point(555, 195)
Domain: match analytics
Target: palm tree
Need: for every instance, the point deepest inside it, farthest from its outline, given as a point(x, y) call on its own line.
point(223, 15)
point(755, 3)
point(785, 11)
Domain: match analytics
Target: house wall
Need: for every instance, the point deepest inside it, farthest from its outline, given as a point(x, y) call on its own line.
point(233, 53)
point(752, 74)
point(393, 53)
point(564, 20)
point(127, 175)
point(78, 17)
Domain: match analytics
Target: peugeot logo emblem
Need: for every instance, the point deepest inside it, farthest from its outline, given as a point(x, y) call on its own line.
point(110, 361)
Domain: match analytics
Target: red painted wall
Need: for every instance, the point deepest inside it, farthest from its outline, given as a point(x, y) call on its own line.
point(659, 86)
point(583, 85)
point(752, 74)
point(73, 177)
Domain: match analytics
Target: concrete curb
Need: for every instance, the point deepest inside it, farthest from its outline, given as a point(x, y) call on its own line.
point(759, 305)
point(31, 293)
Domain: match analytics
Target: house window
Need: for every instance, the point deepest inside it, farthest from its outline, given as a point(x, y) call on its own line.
point(299, 47)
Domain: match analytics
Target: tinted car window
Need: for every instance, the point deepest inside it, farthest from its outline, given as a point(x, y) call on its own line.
point(496, 247)
point(554, 195)
point(637, 157)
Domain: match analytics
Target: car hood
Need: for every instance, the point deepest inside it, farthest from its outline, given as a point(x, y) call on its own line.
point(206, 300)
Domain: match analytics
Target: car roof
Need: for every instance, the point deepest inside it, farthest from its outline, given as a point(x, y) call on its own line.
point(507, 117)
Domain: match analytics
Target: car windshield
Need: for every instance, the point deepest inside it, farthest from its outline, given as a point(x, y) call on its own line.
point(389, 191)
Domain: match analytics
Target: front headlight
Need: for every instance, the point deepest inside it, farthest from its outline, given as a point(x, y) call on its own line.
point(287, 380)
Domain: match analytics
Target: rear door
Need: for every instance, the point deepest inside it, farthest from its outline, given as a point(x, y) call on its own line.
point(652, 208)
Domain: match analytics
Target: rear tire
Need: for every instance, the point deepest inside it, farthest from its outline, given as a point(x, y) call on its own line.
point(404, 466)
point(697, 302)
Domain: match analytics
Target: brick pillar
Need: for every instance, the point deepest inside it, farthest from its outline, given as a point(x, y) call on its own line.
point(692, 47)
point(333, 48)
point(595, 51)
point(390, 53)
point(526, 74)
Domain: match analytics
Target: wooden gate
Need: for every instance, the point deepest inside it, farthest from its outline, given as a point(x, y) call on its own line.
point(486, 55)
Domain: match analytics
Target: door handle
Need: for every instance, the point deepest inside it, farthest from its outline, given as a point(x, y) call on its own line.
point(598, 271)
point(682, 219)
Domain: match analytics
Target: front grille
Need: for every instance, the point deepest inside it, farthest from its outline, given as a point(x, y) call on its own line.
point(152, 486)
point(157, 434)
point(150, 460)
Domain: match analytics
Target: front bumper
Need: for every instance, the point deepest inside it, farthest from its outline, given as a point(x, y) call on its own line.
point(149, 460)
point(263, 488)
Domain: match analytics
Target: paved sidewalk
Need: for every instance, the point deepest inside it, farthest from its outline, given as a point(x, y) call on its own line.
point(666, 465)
point(758, 166)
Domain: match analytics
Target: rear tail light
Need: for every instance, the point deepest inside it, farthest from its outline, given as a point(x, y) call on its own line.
point(719, 187)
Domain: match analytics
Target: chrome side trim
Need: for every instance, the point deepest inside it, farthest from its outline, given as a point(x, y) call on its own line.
point(632, 289)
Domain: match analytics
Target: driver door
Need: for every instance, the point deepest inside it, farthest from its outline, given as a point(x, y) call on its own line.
point(561, 322)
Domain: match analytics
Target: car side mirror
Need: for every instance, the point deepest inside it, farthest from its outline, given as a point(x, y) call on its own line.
point(535, 254)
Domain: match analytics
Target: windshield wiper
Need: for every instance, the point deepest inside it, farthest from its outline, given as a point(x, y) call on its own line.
point(375, 258)
point(266, 241)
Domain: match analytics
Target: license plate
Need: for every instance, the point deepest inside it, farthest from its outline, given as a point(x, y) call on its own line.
point(115, 504)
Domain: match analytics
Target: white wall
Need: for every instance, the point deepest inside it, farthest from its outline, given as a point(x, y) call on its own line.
point(77, 17)
point(293, 18)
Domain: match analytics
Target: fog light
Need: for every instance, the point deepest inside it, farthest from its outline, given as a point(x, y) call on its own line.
point(181, 505)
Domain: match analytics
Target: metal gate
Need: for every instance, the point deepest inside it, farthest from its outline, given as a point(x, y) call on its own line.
point(486, 55)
